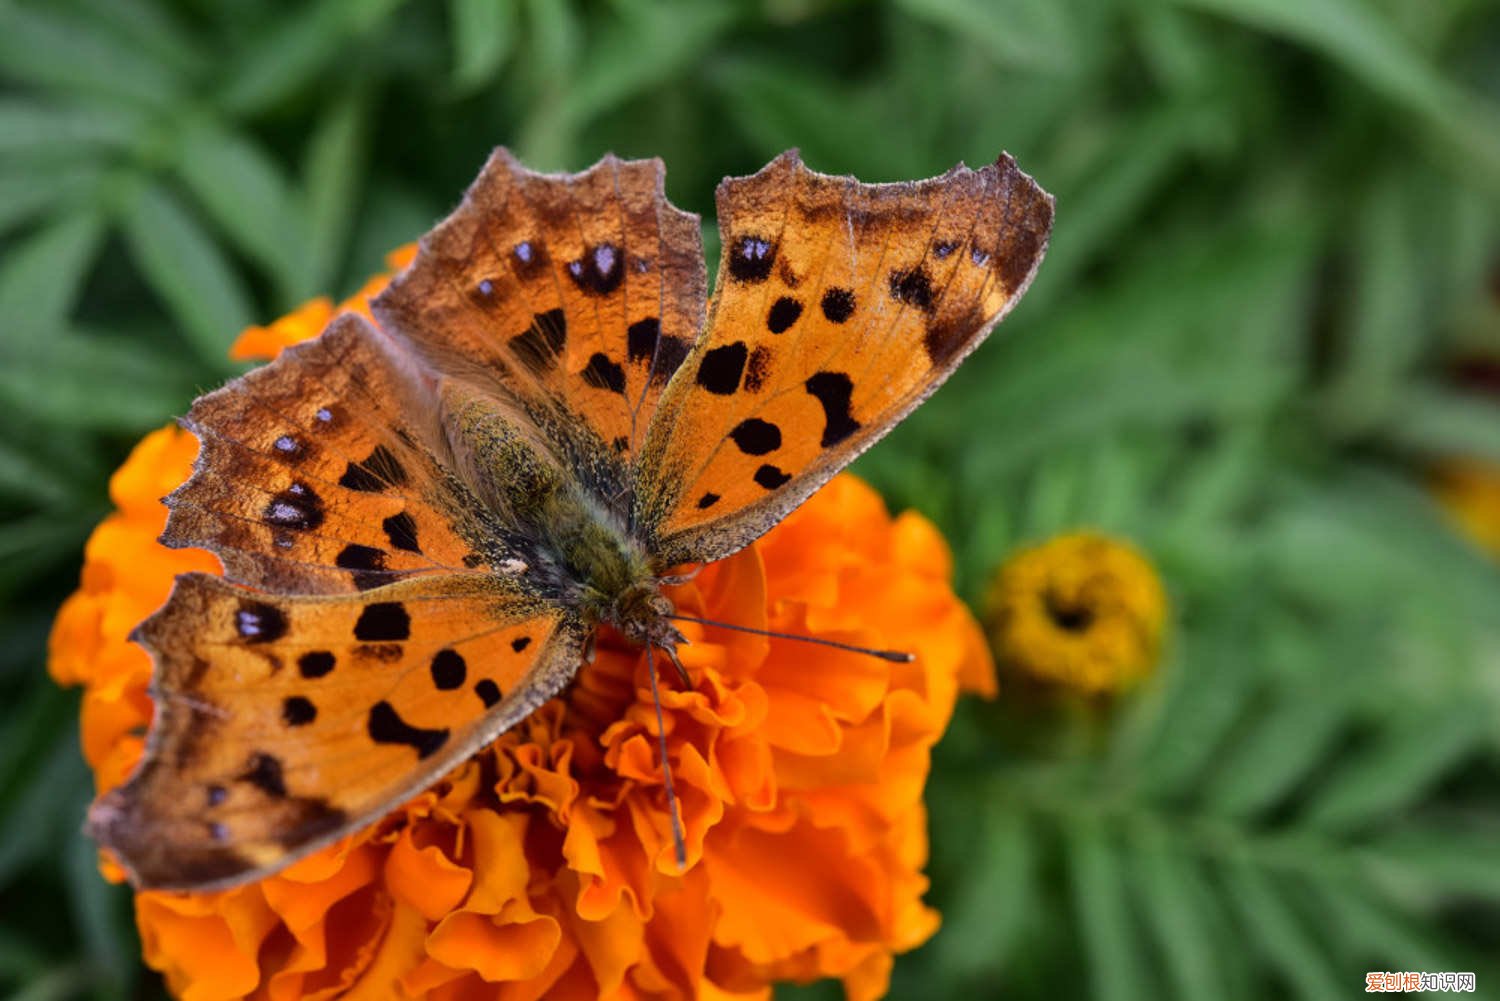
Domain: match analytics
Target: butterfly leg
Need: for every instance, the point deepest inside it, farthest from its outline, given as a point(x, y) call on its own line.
point(682, 673)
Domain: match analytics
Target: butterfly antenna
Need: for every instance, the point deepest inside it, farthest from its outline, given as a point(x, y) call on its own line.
point(666, 768)
point(894, 656)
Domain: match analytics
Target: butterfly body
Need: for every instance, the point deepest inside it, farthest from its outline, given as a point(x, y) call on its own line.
point(575, 543)
point(423, 521)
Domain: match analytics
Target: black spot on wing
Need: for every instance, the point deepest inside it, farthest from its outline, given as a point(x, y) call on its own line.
point(401, 530)
point(520, 643)
point(448, 670)
point(298, 710)
point(264, 772)
point(783, 314)
point(366, 563)
point(720, 370)
point(601, 373)
point(708, 500)
point(383, 621)
point(771, 477)
point(757, 368)
point(600, 269)
point(315, 663)
point(913, 288)
point(645, 343)
point(833, 390)
point(838, 304)
point(751, 259)
point(756, 437)
point(295, 507)
point(387, 727)
point(488, 692)
point(641, 338)
point(257, 622)
point(380, 470)
point(540, 345)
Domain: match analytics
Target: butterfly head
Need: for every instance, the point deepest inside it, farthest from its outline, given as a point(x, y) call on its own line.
point(644, 615)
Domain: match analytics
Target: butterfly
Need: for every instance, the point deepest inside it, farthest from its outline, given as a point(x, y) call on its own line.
point(423, 521)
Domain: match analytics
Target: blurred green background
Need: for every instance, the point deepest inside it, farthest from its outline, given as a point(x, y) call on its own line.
point(1278, 234)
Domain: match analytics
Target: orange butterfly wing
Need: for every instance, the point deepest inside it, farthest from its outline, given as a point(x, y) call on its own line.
point(578, 295)
point(284, 722)
point(839, 307)
point(315, 474)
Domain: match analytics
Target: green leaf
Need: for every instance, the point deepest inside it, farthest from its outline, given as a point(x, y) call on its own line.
point(333, 167)
point(33, 820)
point(1280, 749)
point(1356, 36)
point(148, 27)
point(32, 127)
point(1431, 862)
point(1413, 754)
point(676, 33)
point(40, 279)
point(1271, 924)
point(1439, 423)
point(1178, 909)
point(1028, 34)
point(69, 53)
point(189, 272)
point(1385, 330)
point(28, 193)
point(989, 910)
point(244, 193)
point(71, 379)
point(1097, 881)
point(483, 33)
point(31, 477)
point(302, 47)
point(97, 916)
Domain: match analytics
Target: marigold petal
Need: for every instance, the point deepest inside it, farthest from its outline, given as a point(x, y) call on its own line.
point(424, 878)
point(496, 950)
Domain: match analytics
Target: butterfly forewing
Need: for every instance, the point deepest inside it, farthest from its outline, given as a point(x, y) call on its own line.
point(321, 473)
point(284, 722)
point(839, 307)
point(579, 295)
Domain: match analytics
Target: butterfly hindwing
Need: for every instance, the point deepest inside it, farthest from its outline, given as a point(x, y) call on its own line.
point(284, 722)
point(839, 307)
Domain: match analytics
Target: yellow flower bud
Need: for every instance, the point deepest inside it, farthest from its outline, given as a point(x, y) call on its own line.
point(1081, 611)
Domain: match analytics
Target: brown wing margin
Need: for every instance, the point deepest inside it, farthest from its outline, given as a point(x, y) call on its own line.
point(839, 307)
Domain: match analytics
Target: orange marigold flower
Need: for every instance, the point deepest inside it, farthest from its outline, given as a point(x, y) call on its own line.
point(545, 866)
point(1084, 611)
